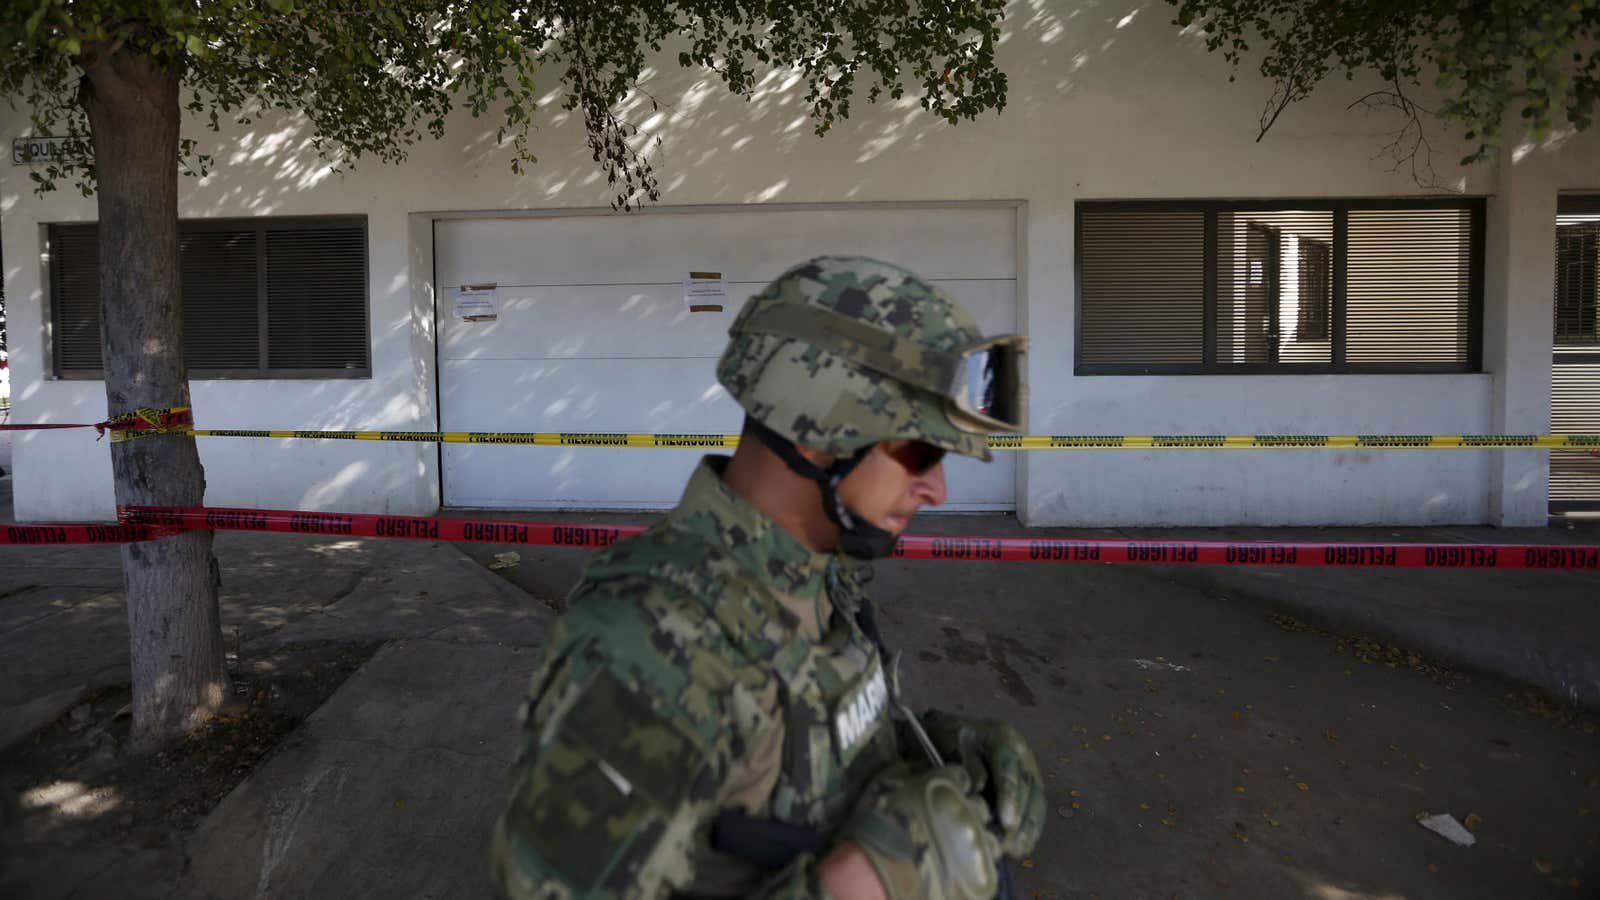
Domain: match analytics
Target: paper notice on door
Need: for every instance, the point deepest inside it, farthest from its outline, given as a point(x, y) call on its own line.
point(705, 292)
point(477, 302)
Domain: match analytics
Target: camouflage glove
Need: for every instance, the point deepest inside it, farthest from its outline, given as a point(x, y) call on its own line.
point(1002, 768)
point(926, 835)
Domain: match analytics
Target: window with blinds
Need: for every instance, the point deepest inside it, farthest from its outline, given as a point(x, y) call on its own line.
point(1575, 378)
point(1218, 287)
point(1578, 272)
point(262, 298)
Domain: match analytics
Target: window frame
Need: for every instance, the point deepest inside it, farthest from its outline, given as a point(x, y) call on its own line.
point(259, 226)
point(1340, 208)
point(1574, 204)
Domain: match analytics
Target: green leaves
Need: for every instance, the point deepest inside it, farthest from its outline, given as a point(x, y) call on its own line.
point(1484, 59)
point(374, 76)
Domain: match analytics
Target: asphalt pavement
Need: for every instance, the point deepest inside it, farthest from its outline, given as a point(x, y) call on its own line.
point(1205, 731)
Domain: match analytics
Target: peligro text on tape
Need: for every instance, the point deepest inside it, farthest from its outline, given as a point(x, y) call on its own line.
point(1289, 553)
point(954, 548)
point(43, 535)
point(494, 531)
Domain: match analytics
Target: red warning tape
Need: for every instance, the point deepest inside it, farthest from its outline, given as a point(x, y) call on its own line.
point(1252, 553)
point(1008, 549)
point(51, 425)
point(426, 528)
point(143, 523)
point(82, 534)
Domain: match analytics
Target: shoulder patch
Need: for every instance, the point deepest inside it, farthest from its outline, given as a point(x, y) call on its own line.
point(643, 749)
point(612, 773)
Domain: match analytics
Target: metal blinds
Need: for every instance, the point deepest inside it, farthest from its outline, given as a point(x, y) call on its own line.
point(1578, 272)
point(1240, 287)
point(1575, 409)
point(221, 322)
point(1143, 284)
point(1575, 378)
point(261, 298)
point(317, 299)
point(75, 298)
point(1409, 285)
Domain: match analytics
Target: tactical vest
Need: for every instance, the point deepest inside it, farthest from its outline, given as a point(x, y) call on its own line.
point(836, 708)
point(834, 698)
point(838, 727)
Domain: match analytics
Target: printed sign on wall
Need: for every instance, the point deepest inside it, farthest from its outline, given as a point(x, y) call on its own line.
point(477, 302)
point(705, 292)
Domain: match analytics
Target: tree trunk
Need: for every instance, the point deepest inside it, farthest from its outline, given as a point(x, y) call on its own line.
point(179, 675)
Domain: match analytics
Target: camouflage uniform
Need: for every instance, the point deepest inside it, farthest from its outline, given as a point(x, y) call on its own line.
point(715, 663)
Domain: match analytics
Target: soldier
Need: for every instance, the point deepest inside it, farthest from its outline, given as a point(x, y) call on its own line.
point(715, 714)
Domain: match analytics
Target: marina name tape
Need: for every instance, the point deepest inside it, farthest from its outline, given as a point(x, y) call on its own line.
point(142, 523)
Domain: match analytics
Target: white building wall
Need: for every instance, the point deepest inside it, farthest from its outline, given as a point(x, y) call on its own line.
point(1518, 330)
point(1106, 102)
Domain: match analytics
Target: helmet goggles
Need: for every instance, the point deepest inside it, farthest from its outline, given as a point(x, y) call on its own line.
point(981, 382)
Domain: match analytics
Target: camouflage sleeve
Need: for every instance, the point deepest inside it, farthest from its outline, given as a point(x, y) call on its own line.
point(635, 729)
point(606, 792)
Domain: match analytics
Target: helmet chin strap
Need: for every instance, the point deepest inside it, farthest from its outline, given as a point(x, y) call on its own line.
point(857, 536)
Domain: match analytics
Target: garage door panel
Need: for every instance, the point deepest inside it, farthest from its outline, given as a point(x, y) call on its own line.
point(486, 475)
point(650, 320)
point(605, 321)
point(972, 486)
point(991, 302)
point(578, 395)
point(525, 477)
point(756, 246)
point(587, 395)
point(592, 335)
point(612, 478)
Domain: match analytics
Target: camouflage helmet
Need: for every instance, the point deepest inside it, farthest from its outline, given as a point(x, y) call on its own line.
point(839, 353)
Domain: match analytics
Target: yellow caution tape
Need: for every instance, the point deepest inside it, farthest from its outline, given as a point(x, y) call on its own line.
point(996, 442)
point(148, 421)
point(536, 438)
point(1288, 441)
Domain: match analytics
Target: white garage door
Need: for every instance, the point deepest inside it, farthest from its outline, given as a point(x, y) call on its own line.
point(593, 335)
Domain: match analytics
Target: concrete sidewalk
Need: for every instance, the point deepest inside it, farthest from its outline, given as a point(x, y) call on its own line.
point(429, 720)
point(1193, 746)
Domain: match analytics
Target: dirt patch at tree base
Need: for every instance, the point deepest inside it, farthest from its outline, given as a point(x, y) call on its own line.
point(72, 786)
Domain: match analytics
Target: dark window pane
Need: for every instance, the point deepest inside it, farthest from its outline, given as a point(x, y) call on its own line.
point(315, 292)
point(221, 301)
point(1577, 279)
point(1143, 280)
point(75, 298)
point(317, 298)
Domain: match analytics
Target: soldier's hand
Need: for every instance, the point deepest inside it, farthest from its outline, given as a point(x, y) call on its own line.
point(926, 835)
point(1002, 766)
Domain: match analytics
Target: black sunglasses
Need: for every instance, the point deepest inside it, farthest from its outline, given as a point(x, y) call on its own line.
point(916, 456)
